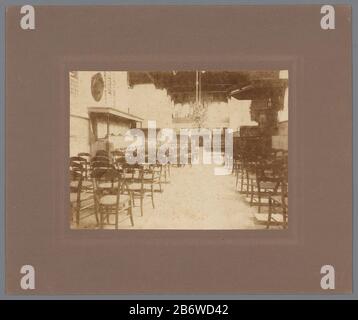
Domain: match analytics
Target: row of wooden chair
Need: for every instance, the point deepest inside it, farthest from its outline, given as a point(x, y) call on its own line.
point(117, 158)
point(112, 196)
point(100, 176)
point(264, 180)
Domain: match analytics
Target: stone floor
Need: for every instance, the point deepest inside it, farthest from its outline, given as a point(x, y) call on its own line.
point(195, 198)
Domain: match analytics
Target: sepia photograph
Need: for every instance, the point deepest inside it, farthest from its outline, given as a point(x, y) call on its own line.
point(149, 149)
point(178, 149)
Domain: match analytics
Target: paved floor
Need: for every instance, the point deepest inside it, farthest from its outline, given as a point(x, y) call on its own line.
point(195, 198)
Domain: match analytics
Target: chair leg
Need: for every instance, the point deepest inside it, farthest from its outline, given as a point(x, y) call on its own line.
point(259, 198)
point(252, 194)
point(152, 195)
point(100, 218)
point(284, 213)
point(269, 214)
point(141, 204)
point(259, 208)
point(116, 220)
point(237, 179)
point(96, 212)
point(107, 212)
point(78, 214)
point(72, 212)
point(131, 215)
point(242, 181)
point(247, 184)
point(133, 204)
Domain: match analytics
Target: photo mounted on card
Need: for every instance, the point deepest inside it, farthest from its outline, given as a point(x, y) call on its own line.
point(147, 147)
point(178, 149)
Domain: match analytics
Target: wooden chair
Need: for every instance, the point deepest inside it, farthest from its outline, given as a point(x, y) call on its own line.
point(87, 157)
point(118, 156)
point(112, 196)
point(268, 177)
point(80, 199)
point(238, 171)
point(100, 162)
point(278, 203)
point(247, 173)
point(166, 171)
point(140, 183)
point(82, 162)
point(157, 176)
point(248, 150)
point(119, 161)
point(100, 158)
point(102, 153)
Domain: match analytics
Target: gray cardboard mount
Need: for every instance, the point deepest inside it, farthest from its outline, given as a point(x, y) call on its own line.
point(178, 262)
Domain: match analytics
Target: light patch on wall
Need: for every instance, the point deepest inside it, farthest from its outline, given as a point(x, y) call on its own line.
point(283, 114)
point(283, 74)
